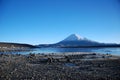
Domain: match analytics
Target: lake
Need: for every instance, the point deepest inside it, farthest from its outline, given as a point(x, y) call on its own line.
point(113, 51)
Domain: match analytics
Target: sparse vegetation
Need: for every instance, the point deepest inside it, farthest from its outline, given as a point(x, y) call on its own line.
point(40, 67)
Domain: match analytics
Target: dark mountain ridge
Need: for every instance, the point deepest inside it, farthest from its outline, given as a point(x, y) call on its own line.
point(9, 45)
point(76, 41)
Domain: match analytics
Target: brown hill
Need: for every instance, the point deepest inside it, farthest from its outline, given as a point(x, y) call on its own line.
point(14, 45)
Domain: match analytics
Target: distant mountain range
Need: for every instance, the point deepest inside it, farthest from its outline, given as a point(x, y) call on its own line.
point(13, 45)
point(75, 40)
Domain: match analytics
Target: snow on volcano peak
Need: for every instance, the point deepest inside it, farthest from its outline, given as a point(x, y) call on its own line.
point(74, 37)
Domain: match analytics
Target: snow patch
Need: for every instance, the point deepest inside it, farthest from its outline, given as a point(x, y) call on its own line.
point(74, 37)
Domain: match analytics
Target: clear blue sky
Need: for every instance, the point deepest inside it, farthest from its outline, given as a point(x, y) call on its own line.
point(49, 21)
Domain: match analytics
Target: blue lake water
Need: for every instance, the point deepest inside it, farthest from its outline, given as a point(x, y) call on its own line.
point(114, 51)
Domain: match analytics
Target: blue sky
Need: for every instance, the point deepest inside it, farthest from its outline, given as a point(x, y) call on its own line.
point(49, 21)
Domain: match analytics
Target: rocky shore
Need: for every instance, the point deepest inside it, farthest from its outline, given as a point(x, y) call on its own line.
point(64, 66)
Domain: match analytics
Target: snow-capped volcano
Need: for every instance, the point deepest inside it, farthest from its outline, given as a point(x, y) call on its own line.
point(74, 37)
point(76, 40)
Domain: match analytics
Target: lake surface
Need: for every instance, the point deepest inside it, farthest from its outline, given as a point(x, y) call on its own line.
point(114, 51)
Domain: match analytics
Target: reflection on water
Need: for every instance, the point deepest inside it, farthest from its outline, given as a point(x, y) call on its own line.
point(70, 64)
point(115, 51)
point(57, 50)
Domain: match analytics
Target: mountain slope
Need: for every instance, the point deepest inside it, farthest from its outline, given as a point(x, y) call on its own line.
point(9, 45)
point(75, 40)
point(74, 37)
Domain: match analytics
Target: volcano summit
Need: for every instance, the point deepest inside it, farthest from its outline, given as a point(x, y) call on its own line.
point(74, 40)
